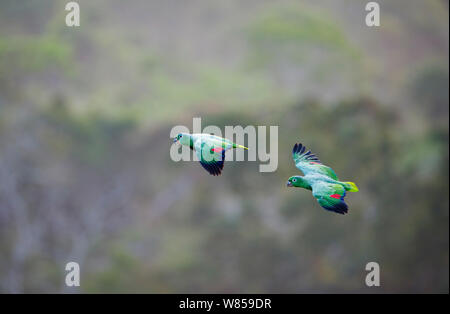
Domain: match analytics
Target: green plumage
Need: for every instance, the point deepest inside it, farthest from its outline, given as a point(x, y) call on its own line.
point(209, 149)
point(321, 180)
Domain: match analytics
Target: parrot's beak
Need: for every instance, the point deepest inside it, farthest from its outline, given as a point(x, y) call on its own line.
point(289, 183)
point(175, 140)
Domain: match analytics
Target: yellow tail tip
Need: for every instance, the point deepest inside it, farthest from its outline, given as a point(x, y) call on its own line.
point(352, 187)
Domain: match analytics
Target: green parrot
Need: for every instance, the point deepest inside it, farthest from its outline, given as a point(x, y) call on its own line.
point(321, 179)
point(210, 149)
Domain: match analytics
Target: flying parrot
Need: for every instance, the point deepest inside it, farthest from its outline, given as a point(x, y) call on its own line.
point(321, 180)
point(210, 149)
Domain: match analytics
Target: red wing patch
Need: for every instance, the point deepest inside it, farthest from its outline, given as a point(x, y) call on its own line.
point(335, 196)
point(217, 149)
point(314, 163)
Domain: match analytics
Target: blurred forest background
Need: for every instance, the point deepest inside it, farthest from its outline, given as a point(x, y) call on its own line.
point(85, 172)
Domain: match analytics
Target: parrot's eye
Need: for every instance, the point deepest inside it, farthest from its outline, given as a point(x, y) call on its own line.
point(294, 180)
point(180, 136)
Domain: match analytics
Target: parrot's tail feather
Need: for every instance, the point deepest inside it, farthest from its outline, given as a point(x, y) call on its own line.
point(240, 146)
point(351, 186)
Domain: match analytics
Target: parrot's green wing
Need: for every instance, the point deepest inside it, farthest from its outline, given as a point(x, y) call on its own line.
point(308, 163)
point(330, 196)
point(211, 153)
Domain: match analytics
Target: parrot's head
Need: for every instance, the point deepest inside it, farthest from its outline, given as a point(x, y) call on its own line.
point(183, 138)
point(295, 181)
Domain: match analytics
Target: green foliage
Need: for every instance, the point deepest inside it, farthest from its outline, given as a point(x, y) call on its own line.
point(91, 137)
point(427, 87)
point(300, 26)
point(31, 54)
point(299, 34)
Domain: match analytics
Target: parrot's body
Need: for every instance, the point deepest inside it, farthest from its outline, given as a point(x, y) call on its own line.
point(210, 149)
point(321, 180)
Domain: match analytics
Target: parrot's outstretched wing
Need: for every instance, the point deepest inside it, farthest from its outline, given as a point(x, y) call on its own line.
point(330, 196)
point(211, 154)
point(308, 163)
